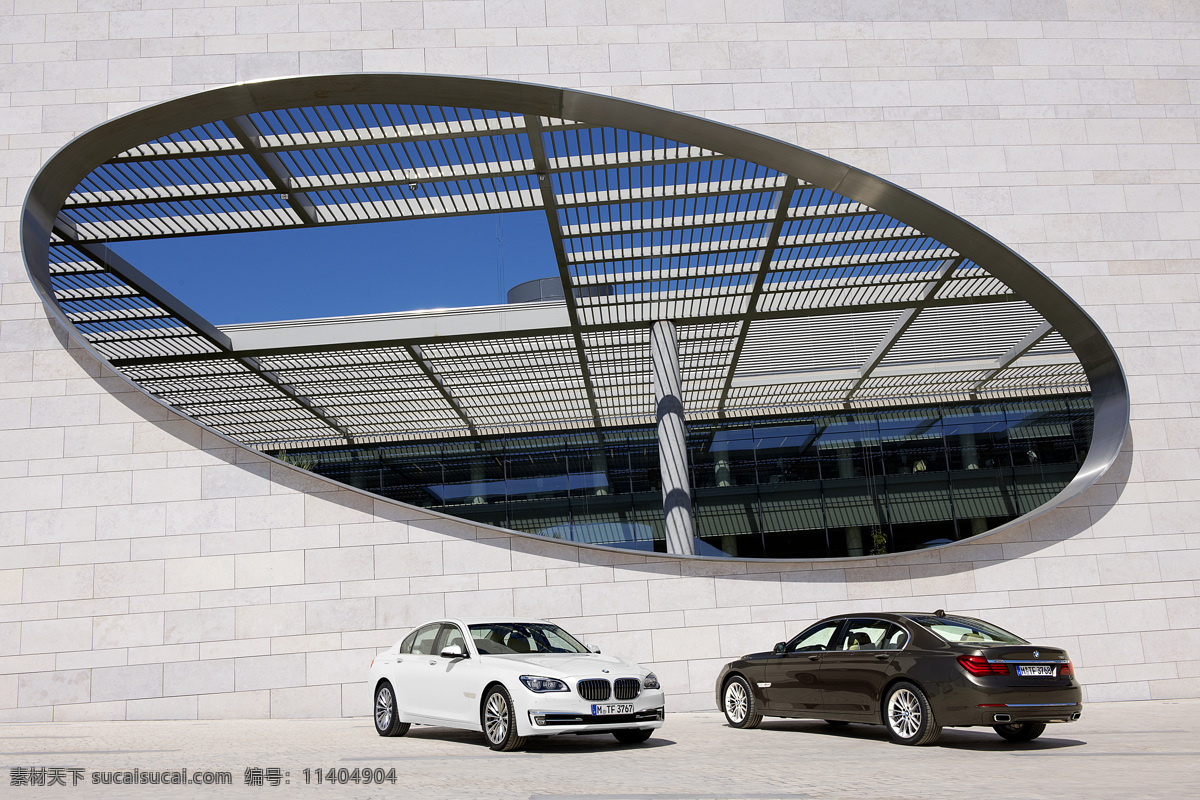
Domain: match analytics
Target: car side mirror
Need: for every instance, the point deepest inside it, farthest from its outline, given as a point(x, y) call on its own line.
point(453, 651)
point(593, 649)
point(780, 647)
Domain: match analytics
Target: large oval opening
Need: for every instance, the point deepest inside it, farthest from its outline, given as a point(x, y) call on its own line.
point(854, 371)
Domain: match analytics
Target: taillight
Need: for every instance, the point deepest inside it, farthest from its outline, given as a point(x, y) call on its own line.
point(978, 665)
point(1067, 670)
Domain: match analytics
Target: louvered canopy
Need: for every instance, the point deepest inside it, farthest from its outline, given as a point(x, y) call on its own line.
point(791, 292)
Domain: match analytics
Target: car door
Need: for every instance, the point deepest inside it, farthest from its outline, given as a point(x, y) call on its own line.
point(414, 670)
point(853, 673)
point(794, 675)
point(455, 683)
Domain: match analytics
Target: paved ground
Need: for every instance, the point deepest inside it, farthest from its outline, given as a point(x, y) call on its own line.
point(1118, 750)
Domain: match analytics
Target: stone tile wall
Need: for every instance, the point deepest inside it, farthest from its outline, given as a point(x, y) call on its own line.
point(150, 569)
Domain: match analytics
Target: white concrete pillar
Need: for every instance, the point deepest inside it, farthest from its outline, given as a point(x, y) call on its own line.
point(672, 439)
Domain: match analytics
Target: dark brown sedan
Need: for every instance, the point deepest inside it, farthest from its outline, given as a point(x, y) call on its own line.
point(913, 673)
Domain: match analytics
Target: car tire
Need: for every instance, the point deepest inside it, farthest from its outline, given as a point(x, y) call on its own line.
point(633, 735)
point(499, 720)
point(908, 716)
point(1020, 731)
point(737, 701)
point(387, 717)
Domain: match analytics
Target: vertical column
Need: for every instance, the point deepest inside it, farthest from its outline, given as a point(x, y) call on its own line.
point(854, 542)
point(724, 477)
point(672, 440)
point(478, 476)
point(970, 460)
point(600, 467)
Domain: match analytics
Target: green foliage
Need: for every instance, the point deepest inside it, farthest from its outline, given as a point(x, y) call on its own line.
point(879, 544)
point(302, 460)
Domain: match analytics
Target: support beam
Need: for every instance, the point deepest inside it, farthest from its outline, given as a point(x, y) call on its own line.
point(418, 355)
point(533, 126)
point(112, 263)
point(783, 202)
point(902, 324)
point(1016, 351)
point(308, 184)
point(371, 344)
point(672, 440)
point(308, 405)
point(272, 167)
point(128, 274)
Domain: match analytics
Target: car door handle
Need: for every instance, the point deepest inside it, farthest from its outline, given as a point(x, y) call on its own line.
point(814, 658)
point(432, 662)
point(883, 656)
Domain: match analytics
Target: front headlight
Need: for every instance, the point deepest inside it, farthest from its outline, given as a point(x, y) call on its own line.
point(535, 684)
point(651, 681)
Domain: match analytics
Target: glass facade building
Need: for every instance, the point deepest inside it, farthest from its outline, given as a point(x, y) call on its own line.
point(810, 486)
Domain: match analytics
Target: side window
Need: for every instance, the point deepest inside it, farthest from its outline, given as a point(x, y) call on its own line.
point(865, 634)
point(406, 645)
point(452, 635)
point(896, 638)
point(817, 637)
point(423, 640)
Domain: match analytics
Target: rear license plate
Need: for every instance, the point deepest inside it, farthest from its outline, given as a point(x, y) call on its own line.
point(605, 709)
point(1035, 670)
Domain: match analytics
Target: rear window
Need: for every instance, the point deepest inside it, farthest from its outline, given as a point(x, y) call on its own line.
point(966, 630)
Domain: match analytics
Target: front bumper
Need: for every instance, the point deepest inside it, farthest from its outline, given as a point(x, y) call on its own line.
point(556, 722)
point(545, 715)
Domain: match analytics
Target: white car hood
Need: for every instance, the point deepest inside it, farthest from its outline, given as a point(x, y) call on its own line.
point(570, 665)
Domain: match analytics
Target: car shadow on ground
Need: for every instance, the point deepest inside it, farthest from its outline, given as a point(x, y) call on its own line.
point(980, 739)
point(581, 745)
point(565, 743)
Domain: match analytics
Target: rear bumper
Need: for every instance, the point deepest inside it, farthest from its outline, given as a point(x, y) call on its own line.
point(979, 701)
point(1017, 712)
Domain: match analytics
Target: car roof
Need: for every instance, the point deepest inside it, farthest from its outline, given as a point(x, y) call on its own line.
point(888, 615)
point(468, 621)
point(895, 616)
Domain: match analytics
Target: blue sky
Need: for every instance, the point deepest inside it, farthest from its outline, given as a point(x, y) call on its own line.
point(349, 269)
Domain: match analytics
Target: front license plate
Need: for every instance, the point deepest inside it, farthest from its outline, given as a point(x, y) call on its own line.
point(1035, 670)
point(604, 709)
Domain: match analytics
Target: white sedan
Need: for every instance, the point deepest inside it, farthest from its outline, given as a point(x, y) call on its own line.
point(511, 679)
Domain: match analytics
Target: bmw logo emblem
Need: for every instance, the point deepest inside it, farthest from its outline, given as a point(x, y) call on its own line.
point(604, 671)
point(1036, 654)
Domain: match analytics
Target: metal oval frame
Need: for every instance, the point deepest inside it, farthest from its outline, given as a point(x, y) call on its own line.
point(63, 172)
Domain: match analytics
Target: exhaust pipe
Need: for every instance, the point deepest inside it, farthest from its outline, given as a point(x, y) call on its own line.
point(1002, 718)
point(1076, 716)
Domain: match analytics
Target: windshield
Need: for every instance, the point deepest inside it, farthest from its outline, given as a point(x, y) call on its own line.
point(503, 638)
point(967, 630)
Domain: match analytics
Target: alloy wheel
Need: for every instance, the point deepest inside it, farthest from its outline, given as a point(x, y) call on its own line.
point(384, 708)
point(495, 718)
point(736, 704)
point(904, 713)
